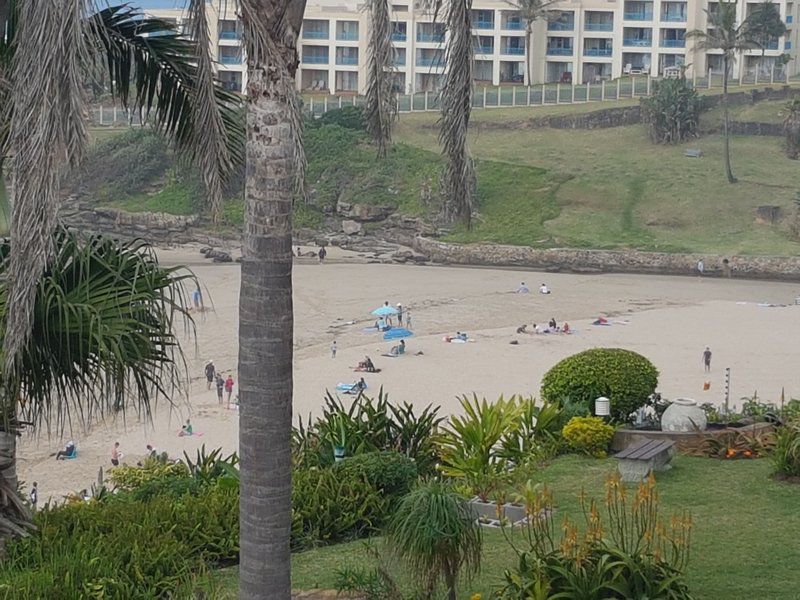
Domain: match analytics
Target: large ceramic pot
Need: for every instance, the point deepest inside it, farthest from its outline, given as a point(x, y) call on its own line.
point(684, 415)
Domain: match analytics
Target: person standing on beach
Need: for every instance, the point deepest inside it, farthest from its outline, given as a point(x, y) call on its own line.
point(115, 454)
point(197, 298)
point(333, 349)
point(322, 254)
point(34, 495)
point(220, 387)
point(210, 371)
point(707, 359)
point(701, 267)
point(229, 388)
point(399, 315)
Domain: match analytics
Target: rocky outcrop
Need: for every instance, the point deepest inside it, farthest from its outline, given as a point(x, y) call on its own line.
point(608, 261)
point(363, 213)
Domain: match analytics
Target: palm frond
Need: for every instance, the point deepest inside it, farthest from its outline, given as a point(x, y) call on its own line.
point(380, 109)
point(47, 132)
point(104, 321)
point(458, 179)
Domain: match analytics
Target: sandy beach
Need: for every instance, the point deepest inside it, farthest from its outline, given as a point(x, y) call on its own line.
point(668, 319)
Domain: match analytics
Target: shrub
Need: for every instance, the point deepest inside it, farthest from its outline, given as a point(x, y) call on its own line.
point(392, 474)
point(589, 435)
point(634, 554)
point(786, 458)
point(791, 128)
point(349, 117)
point(627, 378)
point(130, 477)
point(672, 113)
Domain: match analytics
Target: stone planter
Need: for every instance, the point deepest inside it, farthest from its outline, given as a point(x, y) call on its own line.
point(684, 415)
point(487, 513)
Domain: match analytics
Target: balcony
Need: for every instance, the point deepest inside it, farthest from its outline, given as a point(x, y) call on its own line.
point(638, 16)
point(430, 37)
point(789, 19)
point(638, 42)
point(399, 37)
point(771, 45)
point(598, 51)
point(513, 50)
point(483, 24)
point(347, 36)
point(315, 60)
point(230, 35)
point(227, 59)
point(787, 45)
point(599, 26)
point(559, 51)
point(673, 43)
point(429, 62)
point(489, 49)
point(315, 34)
point(561, 26)
point(673, 17)
point(346, 60)
point(519, 25)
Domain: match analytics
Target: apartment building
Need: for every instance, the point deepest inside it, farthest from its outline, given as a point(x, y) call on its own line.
point(582, 41)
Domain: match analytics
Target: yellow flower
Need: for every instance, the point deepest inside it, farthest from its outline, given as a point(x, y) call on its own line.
point(475, 597)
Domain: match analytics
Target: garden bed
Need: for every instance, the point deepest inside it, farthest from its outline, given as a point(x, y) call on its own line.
point(683, 440)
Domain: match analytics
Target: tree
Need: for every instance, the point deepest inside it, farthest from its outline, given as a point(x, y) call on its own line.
point(458, 178)
point(672, 113)
point(435, 532)
point(765, 25)
point(380, 107)
point(791, 128)
point(724, 34)
point(531, 11)
point(46, 49)
point(274, 155)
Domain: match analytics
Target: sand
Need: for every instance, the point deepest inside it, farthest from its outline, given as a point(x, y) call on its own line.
point(668, 319)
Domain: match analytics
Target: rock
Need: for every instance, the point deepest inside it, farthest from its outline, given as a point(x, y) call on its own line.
point(222, 257)
point(205, 250)
point(238, 259)
point(351, 227)
point(363, 212)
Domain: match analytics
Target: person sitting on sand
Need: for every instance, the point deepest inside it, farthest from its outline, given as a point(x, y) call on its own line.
point(186, 430)
point(553, 325)
point(600, 321)
point(543, 289)
point(360, 385)
point(523, 289)
point(151, 451)
point(542, 329)
point(522, 329)
point(68, 451)
point(565, 329)
point(462, 335)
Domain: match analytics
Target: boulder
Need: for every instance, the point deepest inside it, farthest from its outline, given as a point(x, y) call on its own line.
point(351, 227)
point(363, 213)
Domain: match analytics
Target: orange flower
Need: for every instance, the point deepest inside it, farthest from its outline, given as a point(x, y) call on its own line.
point(747, 453)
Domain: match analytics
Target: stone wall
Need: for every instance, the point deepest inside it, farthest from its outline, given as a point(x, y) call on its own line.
point(606, 261)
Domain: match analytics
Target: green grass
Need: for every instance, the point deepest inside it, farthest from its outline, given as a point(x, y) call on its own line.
point(744, 540)
point(174, 199)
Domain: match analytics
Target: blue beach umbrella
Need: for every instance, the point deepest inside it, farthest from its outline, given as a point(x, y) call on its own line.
point(397, 333)
point(384, 311)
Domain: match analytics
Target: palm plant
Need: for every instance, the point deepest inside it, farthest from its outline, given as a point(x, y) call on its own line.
point(765, 25)
point(435, 532)
point(458, 179)
point(103, 322)
point(531, 11)
point(731, 38)
point(380, 107)
point(791, 127)
point(672, 113)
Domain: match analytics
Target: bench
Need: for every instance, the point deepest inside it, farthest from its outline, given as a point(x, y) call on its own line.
point(638, 459)
point(693, 153)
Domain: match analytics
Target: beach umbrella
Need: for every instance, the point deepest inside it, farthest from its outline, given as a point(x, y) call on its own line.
point(384, 311)
point(397, 333)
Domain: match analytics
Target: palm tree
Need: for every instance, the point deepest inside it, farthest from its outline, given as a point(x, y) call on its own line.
point(103, 321)
point(46, 50)
point(724, 34)
point(531, 11)
point(458, 179)
point(380, 107)
point(765, 25)
point(791, 127)
point(274, 155)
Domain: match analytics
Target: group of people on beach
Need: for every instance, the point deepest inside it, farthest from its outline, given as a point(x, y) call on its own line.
point(524, 289)
point(551, 327)
point(222, 383)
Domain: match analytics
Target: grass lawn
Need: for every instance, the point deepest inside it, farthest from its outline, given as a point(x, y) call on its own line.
point(744, 541)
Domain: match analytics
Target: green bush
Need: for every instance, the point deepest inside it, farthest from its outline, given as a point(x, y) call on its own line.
point(672, 113)
point(331, 506)
point(786, 455)
point(391, 473)
point(625, 377)
point(349, 117)
point(589, 435)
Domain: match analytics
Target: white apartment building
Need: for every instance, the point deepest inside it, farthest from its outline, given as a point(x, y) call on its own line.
point(585, 41)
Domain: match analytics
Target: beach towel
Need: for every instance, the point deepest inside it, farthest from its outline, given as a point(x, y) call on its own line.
point(348, 387)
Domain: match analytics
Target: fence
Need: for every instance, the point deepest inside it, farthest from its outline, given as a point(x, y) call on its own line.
point(488, 97)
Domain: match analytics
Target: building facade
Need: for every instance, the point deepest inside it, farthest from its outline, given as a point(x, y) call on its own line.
point(582, 41)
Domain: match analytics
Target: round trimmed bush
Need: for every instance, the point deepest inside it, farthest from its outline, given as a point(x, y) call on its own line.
point(625, 377)
point(393, 474)
point(588, 435)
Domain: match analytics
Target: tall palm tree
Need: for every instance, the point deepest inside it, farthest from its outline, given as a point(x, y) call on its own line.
point(274, 155)
point(731, 38)
point(458, 179)
point(46, 50)
point(103, 321)
point(531, 11)
point(380, 107)
point(765, 25)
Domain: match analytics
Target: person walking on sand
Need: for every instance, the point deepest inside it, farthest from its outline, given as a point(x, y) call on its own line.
point(220, 387)
point(197, 298)
point(707, 359)
point(116, 454)
point(322, 254)
point(333, 349)
point(229, 388)
point(210, 370)
point(33, 495)
point(701, 267)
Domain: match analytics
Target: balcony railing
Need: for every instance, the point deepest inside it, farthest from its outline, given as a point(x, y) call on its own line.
point(597, 51)
point(639, 42)
point(673, 43)
point(789, 19)
point(483, 24)
point(484, 49)
point(347, 36)
point(399, 62)
point(674, 17)
point(316, 35)
point(346, 60)
point(430, 37)
point(315, 60)
point(773, 45)
point(559, 51)
point(519, 25)
point(230, 35)
point(230, 60)
point(599, 26)
point(638, 16)
point(559, 26)
point(787, 45)
point(513, 51)
point(399, 37)
point(429, 62)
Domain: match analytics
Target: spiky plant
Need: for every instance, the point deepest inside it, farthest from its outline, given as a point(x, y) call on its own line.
point(791, 128)
point(458, 179)
point(436, 534)
point(380, 106)
point(672, 113)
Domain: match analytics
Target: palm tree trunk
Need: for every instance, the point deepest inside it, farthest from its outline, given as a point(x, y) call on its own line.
point(528, 61)
point(726, 134)
point(265, 302)
point(450, 582)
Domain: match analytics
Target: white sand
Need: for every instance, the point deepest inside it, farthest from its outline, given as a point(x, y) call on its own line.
point(668, 319)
